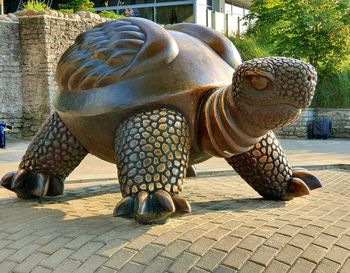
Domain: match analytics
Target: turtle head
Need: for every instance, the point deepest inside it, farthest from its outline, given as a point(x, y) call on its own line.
point(270, 92)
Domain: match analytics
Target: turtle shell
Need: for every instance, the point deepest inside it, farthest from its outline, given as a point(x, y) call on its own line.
point(121, 66)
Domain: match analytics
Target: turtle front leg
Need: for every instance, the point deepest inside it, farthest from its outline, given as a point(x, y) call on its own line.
point(266, 169)
point(152, 150)
point(52, 155)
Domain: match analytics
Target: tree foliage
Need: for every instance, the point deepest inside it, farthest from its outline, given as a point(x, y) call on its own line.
point(317, 31)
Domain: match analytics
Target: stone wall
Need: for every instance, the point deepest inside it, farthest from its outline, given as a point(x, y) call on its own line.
point(29, 53)
point(10, 77)
point(340, 119)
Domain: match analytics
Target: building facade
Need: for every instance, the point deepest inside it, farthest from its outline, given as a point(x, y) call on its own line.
point(225, 16)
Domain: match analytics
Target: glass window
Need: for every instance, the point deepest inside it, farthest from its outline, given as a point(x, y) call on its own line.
point(174, 14)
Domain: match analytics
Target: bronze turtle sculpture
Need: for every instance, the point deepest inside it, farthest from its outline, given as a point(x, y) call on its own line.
point(156, 101)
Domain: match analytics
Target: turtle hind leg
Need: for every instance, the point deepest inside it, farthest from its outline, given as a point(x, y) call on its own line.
point(266, 169)
point(191, 171)
point(50, 158)
point(152, 149)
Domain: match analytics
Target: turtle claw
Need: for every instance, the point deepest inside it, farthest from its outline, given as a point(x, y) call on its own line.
point(302, 183)
point(29, 185)
point(151, 208)
point(309, 179)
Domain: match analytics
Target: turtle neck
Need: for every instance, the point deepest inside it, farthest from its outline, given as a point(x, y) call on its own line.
point(222, 134)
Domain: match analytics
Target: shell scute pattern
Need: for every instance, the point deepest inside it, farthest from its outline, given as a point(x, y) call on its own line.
point(100, 56)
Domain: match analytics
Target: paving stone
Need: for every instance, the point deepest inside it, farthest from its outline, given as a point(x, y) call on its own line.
point(265, 232)
point(201, 246)
point(327, 266)
point(79, 241)
point(236, 258)
point(211, 260)
point(216, 234)
point(184, 263)
point(263, 255)
point(242, 231)
point(344, 241)
point(40, 269)
point(147, 254)
point(91, 264)
point(250, 267)
point(67, 266)
point(132, 268)
point(224, 269)
point(23, 253)
point(251, 242)
point(7, 266)
point(121, 257)
point(227, 243)
point(30, 262)
point(175, 248)
point(302, 265)
point(276, 266)
point(301, 241)
point(159, 265)
point(111, 247)
point(346, 267)
point(86, 251)
point(277, 241)
point(5, 252)
point(56, 258)
point(192, 235)
point(314, 253)
point(324, 240)
point(106, 270)
point(289, 254)
point(338, 254)
point(54, 245)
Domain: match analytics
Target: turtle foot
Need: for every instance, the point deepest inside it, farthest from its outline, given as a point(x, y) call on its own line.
point(302, 183)
point(151, 208)
point(30, 185)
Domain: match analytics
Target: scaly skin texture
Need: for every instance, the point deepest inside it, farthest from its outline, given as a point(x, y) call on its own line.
point(53, 154)
point(152, 151)
point(265, 168)
point(54, 150)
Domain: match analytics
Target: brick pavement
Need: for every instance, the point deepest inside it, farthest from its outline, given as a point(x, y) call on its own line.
point(230, 230)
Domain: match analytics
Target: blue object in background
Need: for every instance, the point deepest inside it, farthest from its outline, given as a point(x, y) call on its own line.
point(2, 133)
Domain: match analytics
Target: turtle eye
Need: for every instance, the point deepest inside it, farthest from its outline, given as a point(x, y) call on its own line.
point(259, 83)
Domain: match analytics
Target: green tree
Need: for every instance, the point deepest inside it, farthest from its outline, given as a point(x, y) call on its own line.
point(317, 31)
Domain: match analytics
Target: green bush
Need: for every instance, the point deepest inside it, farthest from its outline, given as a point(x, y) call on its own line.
point(111, 15)
point(317, 31)
point(78, 5)
point(67, 11)
point(35, 5)
point(333, 90)
point(249, 48)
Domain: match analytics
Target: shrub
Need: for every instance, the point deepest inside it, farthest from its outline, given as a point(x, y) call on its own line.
point(35, 5)
point(78, 5)
point(317, 31)
point(249, 48)
point(111, 15)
